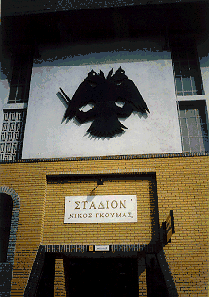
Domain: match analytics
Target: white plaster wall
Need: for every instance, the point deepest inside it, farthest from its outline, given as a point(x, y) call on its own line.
point(204, 66)
point(46, 137)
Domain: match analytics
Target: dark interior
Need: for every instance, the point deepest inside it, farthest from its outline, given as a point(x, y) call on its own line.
point(101, 277)
point(6, 205)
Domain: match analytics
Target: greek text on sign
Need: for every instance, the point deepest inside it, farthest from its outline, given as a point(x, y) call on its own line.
point(101, 209)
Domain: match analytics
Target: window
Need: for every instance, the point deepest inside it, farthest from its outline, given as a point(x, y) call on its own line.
point(188, 80)
point(20, 81)
point(193, 127)
point(12, 134)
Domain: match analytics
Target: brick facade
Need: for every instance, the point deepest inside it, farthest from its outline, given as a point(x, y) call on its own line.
point(171, 182)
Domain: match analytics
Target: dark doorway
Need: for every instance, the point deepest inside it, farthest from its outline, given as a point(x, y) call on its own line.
point(101, 277)
point(6, 205)
point(45, 286)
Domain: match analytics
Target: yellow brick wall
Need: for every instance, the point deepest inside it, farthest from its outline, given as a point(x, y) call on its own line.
point(142, 284)
point(29, 183)
point(182, 185)
point(59, 279)
point(56, 232)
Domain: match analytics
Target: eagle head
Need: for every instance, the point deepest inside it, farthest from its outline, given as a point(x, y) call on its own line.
point(119, 76)
point(94, 78)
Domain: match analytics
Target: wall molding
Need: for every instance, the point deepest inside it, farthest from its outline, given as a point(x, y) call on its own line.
point(113, 157)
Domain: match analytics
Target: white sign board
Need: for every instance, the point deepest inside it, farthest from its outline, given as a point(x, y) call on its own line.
point(101, 209)
point(102, 248)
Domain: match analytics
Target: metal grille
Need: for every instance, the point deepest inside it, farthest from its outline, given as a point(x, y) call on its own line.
point(188, 80)
point(11, 141)
point(192, 121)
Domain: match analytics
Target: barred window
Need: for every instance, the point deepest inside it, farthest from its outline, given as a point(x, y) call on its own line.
point(11, 141)
point(188, 80)
point(20, 81)
point(193, 126)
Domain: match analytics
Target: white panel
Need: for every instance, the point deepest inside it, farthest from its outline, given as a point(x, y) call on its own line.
point(101, 209)
point(158, 132)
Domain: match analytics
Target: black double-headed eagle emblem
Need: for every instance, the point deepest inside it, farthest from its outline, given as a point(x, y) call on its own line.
point(103, 93)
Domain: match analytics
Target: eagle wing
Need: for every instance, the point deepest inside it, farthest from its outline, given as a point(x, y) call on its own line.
point(127, 92)
point(82, 96)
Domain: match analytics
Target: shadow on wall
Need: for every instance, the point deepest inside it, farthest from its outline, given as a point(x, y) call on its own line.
point(102, 53)
point(160, 282)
